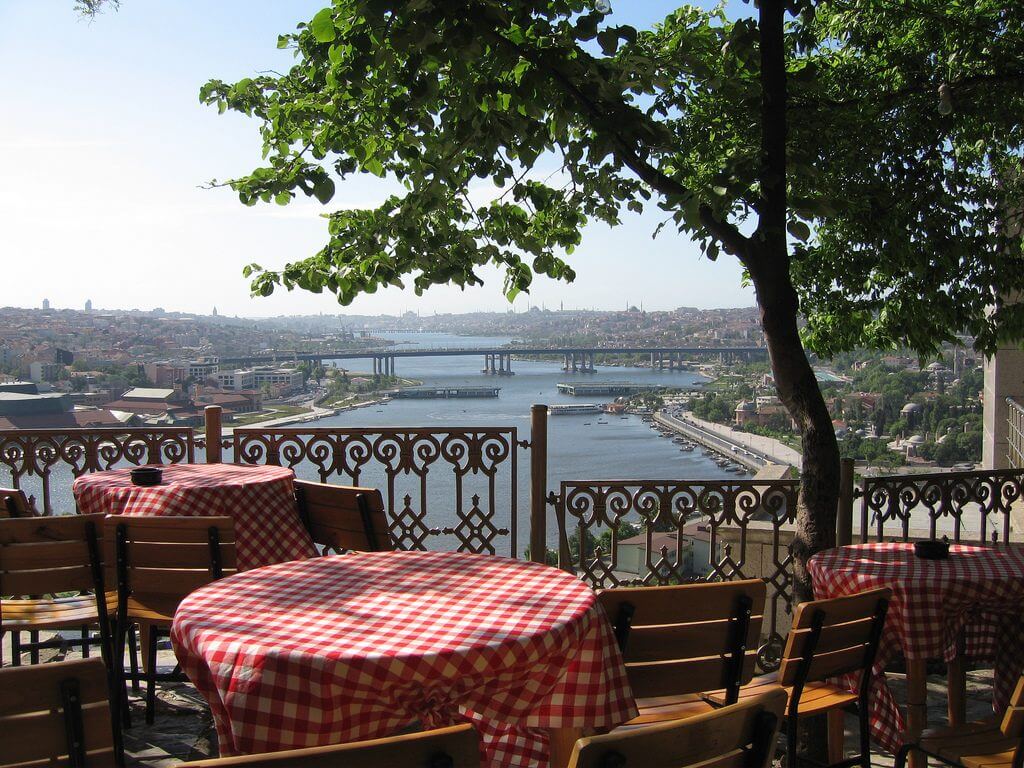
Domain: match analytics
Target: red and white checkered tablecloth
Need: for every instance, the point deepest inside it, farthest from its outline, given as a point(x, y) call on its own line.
point(350, 647)
point(260, 499)
point(979, 589)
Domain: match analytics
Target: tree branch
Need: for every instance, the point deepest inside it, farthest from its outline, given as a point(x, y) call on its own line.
point(728, 234)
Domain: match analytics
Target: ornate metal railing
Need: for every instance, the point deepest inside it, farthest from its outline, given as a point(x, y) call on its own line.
point(32, 456)
point(1014, 433)
point(410, 466)
point(965, 506)
point(682, 531)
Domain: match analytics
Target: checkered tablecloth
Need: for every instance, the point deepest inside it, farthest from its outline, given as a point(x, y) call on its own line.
point(351, 647)
point(260, 499)
point(979, 589)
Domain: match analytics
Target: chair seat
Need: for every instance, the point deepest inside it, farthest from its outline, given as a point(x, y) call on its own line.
point(153, 609)
point(51, 613)
point(975, 745)
point(816, 697)
point(659, 709)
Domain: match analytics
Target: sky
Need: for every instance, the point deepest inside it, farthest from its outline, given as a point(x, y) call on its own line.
point(105, 150)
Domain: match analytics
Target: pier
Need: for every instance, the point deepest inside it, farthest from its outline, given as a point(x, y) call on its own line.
point(442, 393)
point(752, 458)
point(614, 388)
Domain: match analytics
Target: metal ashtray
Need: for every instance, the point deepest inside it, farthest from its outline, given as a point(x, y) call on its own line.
point(932, 549)
point(146, 476)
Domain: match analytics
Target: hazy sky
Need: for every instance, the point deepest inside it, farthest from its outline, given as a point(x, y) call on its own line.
point(104, 147)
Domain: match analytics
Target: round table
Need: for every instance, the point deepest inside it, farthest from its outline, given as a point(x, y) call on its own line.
point(260, 499)
point(978, 588)
point(350, 647)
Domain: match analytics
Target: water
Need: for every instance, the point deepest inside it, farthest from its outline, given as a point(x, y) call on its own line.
point(579, 446)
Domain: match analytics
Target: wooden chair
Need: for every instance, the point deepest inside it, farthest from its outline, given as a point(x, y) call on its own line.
point(157, 562)
point(983, 744)
point(681, 641)
point(341, 518)
point(455, 747)
point(15, 504)
point(58, 715)
point(829, 638)
point(41, 557)
point(738, 736)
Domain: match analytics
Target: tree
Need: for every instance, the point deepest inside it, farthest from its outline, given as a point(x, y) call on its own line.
point(812, 151)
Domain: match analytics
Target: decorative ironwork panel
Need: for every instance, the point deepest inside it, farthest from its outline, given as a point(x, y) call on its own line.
point(1015, 433)
point(965, 506)
point(448, 486)
point(656, 532)
point(53, 458)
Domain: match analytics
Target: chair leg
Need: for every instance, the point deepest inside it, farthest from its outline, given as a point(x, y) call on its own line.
point(133, 658)
point(836, 735)
point(864, 735)
point(33, 638)
point(792, 759)
point(151, 677)
point(117, 672)
point(85, 643)
point(901, 756)
point(16, 648)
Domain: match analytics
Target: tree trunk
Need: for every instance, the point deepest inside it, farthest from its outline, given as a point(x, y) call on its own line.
point(768, 262)
point(799, 391)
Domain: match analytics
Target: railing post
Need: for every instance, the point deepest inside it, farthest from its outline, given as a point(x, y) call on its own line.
point(538, 482)
point(844, 514)
point(213, 434)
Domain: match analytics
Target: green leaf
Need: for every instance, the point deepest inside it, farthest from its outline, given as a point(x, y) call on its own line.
point(609, 41)
point(323, 190)
point(799, 230)
point(322, 26)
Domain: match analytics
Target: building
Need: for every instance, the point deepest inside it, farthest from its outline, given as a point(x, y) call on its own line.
point(235, 380)
point(165, 374)
point(157, 406)
point(280, 381)
point(22, 406)
point(41, 370)
point(694, 550)
point(203, 368)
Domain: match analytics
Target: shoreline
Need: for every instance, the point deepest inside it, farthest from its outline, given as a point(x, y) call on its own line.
point(301, 418)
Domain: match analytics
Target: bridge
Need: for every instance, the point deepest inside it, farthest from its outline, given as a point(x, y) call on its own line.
point(498, 360)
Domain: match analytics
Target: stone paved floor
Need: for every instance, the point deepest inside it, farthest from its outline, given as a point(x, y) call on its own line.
point(184, 728)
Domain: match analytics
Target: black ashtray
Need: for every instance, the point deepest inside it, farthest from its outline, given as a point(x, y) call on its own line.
point(932, 549)
point(146, 476)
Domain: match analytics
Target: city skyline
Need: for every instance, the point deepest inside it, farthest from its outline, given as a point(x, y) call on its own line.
point(112, 175)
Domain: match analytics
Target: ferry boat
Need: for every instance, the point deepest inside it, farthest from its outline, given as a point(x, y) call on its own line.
point(565, 409)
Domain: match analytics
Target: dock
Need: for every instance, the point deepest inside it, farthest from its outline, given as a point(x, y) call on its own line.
point(441, 393)
point(613, 388)
point(752, 460)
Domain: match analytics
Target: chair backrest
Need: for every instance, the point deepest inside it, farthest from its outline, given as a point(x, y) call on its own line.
point(737, 736)
point(1012, 724)
point(46, 555)
point(455, 747)
point(168, 557)
point(833, 637)
point(56, 714)
point(15, 503)
point(340, 517)
point(690, 638)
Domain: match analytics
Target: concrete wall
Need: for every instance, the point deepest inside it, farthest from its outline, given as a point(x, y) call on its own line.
point(1004, 377)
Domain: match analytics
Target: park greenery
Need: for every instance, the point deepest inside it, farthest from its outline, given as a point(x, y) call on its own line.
point(860, 159)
